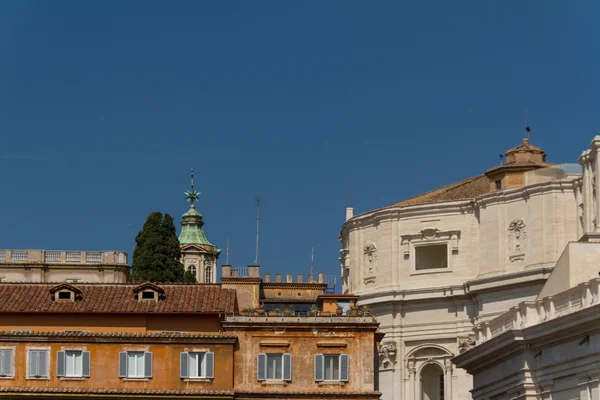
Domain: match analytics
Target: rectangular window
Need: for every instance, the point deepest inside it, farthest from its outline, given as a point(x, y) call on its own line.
point(38, 363)
point(275, 367)
point(135, 364)
point(498, 185)
point(332, 367)
point(73, 363)
point(6, 362)
point(431, 257)
point(197, 365)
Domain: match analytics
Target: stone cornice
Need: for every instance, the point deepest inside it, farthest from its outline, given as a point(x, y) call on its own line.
point(240, 280)
point(111, 393)
point(524, 192)
point(308, 394)
point(583, 322)
point(294, 285)
point(84, 336)
point(326, 324)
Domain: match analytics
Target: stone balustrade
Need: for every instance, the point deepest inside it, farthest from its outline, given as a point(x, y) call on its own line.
point(529, 313)
point(62, 257)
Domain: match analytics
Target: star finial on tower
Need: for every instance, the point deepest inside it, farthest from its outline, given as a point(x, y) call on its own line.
point(192, 195)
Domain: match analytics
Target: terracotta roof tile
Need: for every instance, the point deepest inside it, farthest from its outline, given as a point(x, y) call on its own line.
point(117, 298)
point(463, 190)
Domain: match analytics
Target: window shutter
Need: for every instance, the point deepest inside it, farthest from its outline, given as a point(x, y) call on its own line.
point(43, 363)
point(210, 365)
point(262, 367)
point(6, 362)
point(319, 361)
point(33, 362)
point(148, 364)
point(85, 364)
point(123, 364)
point(344, 367)
point(60, 363)
point(184, 361)
point(287, 367)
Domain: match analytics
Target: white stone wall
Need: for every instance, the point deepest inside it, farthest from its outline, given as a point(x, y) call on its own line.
point(503, 247)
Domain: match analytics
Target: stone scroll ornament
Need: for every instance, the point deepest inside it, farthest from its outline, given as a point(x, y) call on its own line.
point(465, 345)
point(387, 354)
point(517, 233)
point(370, 258)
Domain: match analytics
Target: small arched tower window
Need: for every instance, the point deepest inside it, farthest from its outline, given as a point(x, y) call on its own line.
point(207, 272)
point(192, 269)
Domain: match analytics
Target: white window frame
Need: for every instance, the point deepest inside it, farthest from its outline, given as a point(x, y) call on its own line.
point(339, 362)
point(48, 363)
point(138, 375)
point(414, 246)
point(201, 368)
point(75, 375)
point(14, 351)
point(267, 366)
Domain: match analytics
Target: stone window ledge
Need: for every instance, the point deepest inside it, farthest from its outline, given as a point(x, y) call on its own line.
point(336, 383)
point(73, 378)
point(206, 380)
point(431, 271)
point(7, 377)
point(274, 382)
point(135, 379)
point(35, 378)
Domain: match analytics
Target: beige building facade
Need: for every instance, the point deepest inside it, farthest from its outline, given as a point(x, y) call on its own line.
point(63, 266)
point(435, 266)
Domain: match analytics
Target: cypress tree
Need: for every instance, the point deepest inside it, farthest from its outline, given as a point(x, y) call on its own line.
point(157, 252)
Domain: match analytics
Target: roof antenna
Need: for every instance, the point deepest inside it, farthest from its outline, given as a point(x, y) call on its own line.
point(312, 261)
point(227, 253)
point(349, 191)
point(527, 129)
point(257, 226)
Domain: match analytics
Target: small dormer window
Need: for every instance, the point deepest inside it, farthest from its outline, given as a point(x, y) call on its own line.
point(148, 295)
point(66, 292)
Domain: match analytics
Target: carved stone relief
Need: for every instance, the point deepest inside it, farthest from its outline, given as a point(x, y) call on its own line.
point(517, 244)
point(387, 354)
point(369, 263)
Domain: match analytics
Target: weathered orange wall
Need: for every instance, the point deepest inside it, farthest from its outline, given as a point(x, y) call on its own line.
point(110, 322)
point(303, 345)
point(291, 293)
point(104, 363)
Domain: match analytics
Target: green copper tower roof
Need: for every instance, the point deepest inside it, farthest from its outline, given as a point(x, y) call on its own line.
point(191, 223)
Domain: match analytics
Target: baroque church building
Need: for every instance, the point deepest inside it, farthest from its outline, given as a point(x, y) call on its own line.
point(435, 266)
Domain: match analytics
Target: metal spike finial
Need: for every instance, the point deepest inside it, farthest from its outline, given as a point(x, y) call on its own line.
point(192, 195)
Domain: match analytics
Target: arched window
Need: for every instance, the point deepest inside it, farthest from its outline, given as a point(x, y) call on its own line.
point(207, 272)
point(432, 382)
point(192, 269)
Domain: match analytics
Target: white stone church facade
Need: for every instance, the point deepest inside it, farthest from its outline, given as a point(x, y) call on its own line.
point(435, 266)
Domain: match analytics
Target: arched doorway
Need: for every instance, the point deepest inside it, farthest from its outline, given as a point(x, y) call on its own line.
point(432, 382)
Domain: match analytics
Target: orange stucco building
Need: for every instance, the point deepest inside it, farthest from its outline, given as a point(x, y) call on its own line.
point(156, 341)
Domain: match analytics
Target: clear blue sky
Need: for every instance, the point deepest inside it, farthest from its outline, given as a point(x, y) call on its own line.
point(105, 106)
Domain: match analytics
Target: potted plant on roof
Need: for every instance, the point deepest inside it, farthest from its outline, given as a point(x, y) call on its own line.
point(260, 310)
point(339, 310)
point(274, 312)
point(353, 311)
point(287, 311)
point(366, 311)
point(248, 312)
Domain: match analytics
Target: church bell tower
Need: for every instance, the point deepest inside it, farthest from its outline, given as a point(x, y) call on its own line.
point(198, 255)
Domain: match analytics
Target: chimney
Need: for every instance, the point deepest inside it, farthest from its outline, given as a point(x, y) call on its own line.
point(225, 271)
point(277, 277)
point(310, 278)
point(234, 272)
point(288, 278)
point(349, 213)
point(299, 278)
point(254, 271)
point(267, 278)
point(321, 277)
